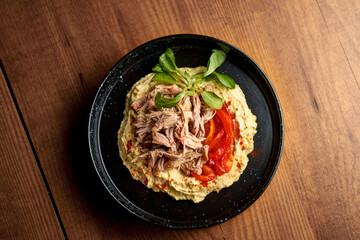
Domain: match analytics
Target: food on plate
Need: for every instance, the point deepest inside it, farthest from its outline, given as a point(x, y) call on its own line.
point(186, 131)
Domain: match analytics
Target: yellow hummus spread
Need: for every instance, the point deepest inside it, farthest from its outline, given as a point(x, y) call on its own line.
point(168, 176)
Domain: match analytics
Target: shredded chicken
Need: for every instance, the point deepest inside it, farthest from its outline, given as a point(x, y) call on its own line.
point(171, 137)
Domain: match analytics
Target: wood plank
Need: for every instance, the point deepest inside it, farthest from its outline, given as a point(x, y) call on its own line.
point(61, 50)
point(342, 19)
point(26, 211)
point(320, 112)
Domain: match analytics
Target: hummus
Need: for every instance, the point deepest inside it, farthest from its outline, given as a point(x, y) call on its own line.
point(173, 181)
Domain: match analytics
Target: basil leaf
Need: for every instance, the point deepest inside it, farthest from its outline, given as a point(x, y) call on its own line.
point(190, 92)
point(199, 74)
point(166, 64)
point(167, 61)
point(163, 102)
point(209, 78)
point(170, 54)
point(164, 77)
point(215, 60)
point(223, 47)
point(157, 68)
point(225, 80)
point(212, 99)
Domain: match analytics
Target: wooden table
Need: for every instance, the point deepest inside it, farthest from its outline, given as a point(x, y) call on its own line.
point(54, 55)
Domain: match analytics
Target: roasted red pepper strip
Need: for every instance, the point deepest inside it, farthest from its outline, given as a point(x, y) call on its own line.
point(218, 168)
point(227, 162)
point(224, 165)
point(216, 133)
point(207, 174)
point(216, 139)
point(227, 123)
point(211, 133)
point(219, 140)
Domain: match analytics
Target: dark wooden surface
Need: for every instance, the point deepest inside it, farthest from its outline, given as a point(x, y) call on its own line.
point(54, 55)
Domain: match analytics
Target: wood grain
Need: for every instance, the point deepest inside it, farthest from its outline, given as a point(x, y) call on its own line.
point(26, 211)
point(56, 53)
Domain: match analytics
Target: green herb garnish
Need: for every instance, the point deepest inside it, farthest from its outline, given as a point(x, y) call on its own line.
point(168, 73)
point(162, 102)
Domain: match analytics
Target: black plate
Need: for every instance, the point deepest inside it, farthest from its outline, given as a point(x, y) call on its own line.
point(107, 114)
